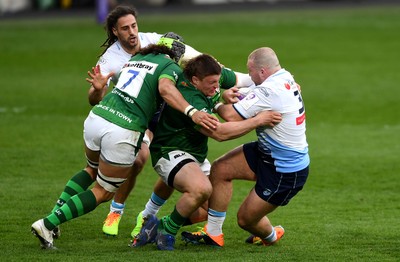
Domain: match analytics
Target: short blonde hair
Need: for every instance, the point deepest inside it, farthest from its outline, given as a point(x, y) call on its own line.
point(264, 57)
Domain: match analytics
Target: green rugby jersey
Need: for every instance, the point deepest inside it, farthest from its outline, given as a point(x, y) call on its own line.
point(136, 98)
point(175, 131)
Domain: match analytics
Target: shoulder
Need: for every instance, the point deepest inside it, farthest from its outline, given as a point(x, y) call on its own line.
point(148, 38)
point(114, 57)
point(280, 81)
point(228, 78)
point(115, 49)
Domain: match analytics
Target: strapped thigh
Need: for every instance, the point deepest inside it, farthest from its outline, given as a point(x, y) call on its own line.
point(111, 184)
point(92, 164)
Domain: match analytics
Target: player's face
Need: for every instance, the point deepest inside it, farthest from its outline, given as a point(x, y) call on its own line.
point(126, 31)
point(254, 73)
point(208, 85)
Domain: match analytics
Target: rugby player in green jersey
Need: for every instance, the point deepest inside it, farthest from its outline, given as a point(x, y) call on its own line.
point(124, 40)
point(179, 147)
point(114, 129)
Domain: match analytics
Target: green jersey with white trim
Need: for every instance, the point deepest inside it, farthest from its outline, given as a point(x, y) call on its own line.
point(175, 131)
point(136, 98)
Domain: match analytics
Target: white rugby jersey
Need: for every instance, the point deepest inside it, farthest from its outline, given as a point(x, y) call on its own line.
point(286, 142)
point(115, 56)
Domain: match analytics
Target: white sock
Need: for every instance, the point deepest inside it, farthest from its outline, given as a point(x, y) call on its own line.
point(272, 237)
point(215, 221)
point(153, 205)
point(117, 207)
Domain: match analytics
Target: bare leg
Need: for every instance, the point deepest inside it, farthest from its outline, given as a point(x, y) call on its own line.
point(195, 188)
point(230, 166)
point(125, 189)
point(252, 215)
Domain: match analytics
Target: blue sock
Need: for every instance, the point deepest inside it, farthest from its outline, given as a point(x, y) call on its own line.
point(157, 200)
point(117, 207)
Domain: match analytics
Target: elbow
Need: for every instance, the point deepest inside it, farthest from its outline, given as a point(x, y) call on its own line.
point(93, 102)
point(221, 137)
point(232, 117)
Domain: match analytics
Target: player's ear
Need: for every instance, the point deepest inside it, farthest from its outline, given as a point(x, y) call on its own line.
point(195, 80)
point(114, 30)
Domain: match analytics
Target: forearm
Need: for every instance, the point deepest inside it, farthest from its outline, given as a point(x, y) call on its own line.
point(98, 85)
point(172, 96)
point(227, 112)
point(96, 95)
point(231, 130)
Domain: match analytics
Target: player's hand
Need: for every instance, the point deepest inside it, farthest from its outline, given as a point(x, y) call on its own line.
point(298, 87)
point(98, 80)
point(269, 118)
point(231, 95)
point(205, 120)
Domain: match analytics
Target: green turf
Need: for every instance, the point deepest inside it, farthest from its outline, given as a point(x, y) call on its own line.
point(346, 61)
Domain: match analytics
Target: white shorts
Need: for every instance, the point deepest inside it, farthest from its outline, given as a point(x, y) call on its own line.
point(167, 168)
point(117, 145)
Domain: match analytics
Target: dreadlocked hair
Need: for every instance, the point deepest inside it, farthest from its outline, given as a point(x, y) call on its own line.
point(111, 22)
point(157, 49)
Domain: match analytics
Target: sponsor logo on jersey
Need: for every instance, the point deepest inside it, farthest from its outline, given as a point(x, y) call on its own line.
point(140, 65)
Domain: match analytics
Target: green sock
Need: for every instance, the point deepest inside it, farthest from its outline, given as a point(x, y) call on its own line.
point(77, 184)
point(173, 222)
point(76, 206)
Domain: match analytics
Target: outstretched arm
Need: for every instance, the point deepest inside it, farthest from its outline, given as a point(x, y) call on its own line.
point(98, 86)
point(174, 98)
point(231, 130)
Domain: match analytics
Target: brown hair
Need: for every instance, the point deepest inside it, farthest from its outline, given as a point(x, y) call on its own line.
point(202, 66)
point(112, 20)
point(157, 49)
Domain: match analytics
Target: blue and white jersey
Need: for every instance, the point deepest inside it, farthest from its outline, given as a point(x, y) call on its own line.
point(286, 142)
point(116, 57)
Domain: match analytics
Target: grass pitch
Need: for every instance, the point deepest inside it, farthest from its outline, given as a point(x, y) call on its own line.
point(346, 61)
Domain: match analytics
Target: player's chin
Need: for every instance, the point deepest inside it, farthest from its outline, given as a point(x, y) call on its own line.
point(133, 42)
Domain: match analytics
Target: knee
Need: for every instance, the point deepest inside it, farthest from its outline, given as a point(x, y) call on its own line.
point(202, 192)
point(216, 166)
point(243, 221)
point(101, 194)
point(220, 171)
point(207, 190)
point(92, 172)
point(142, 156)
point(107, 196)
point(141, 160)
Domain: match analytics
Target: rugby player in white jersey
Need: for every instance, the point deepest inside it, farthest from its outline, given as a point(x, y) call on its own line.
point(278, 161)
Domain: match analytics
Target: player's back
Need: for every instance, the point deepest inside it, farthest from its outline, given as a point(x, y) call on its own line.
point(135, 98)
